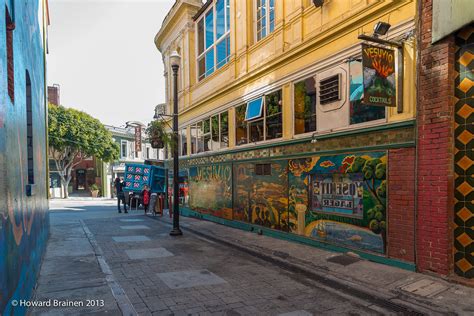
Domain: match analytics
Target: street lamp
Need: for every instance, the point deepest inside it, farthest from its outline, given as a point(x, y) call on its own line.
point(174, 62)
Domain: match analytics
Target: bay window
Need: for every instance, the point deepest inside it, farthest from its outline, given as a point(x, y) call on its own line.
point(213, 37)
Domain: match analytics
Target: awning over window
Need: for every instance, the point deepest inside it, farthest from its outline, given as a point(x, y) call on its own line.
point(254, 109)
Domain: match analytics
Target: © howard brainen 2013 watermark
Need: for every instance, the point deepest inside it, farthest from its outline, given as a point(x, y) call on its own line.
point(58, 303)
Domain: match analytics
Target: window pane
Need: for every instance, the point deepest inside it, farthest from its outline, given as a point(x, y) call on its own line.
point(200, 144)
point(205, 126)
point(209, 62)
point(222, 53)
point(361, 113)
point(224, 129)
point(209, 28)
point(274, 116)
point(220, 18)
point(201, 36)
point(272, 15)
point(240, 125)
point(273, 103)
point(215, 132)
point(202, 68)
point(227, 10)
point(305, 106)
point(194, 135)
point(184, 143)
point(256, 131)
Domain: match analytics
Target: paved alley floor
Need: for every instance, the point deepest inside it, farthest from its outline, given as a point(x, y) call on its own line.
point(112, 264)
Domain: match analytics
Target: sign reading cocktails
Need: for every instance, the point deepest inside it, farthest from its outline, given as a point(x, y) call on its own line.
point(379, 75)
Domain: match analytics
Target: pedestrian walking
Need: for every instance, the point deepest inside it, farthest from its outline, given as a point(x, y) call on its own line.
point(146, 198)
point(120, 194)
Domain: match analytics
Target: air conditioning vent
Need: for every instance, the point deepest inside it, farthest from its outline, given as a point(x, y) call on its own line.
point(329, 89)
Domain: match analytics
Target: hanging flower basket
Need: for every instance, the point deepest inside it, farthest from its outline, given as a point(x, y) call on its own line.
point(158, 136)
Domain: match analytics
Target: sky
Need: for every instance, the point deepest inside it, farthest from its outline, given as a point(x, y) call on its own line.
point(103, 56)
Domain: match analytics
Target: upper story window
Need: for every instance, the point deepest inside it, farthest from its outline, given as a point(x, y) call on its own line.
point(123, 149)
point(10, 26)
point(265, 23)
point(259, 119)
point(213, 38)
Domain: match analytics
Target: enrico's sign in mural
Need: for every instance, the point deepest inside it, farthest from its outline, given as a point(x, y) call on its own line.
point(379, 75)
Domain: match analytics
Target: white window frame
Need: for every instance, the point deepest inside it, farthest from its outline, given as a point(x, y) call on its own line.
point(122, 142)
point(216, 41)
point(200, 135)
point(268, 30)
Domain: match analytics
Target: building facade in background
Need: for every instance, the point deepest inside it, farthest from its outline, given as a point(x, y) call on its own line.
point(24, 221)
point(275, 130)
point(125, 137)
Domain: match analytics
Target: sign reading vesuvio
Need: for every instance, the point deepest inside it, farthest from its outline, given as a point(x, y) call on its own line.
point(379, 75)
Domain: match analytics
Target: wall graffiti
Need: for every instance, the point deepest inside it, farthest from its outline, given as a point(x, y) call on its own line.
point(341, 199)
point(24, 219)
point(210, 190)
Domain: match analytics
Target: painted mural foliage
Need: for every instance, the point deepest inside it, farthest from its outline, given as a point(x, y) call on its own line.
point(341, 199)
point(261, 195)
point(24, 219)
point(210, 190)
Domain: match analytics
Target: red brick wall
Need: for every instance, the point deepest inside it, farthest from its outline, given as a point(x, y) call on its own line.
point(401, 204)
point(435, 148)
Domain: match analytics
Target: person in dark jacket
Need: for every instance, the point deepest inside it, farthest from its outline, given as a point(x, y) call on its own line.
point(146, 198)
point(120, 194)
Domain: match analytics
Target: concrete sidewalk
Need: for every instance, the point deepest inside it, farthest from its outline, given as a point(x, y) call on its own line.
point(358, 277)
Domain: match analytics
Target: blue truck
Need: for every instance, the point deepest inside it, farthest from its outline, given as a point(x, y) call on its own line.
point(139, 175)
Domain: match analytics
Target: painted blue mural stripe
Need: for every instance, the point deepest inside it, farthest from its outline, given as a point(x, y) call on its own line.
point(118, 292)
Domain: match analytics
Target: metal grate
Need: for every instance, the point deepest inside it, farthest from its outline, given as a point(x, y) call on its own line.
point(329, 89)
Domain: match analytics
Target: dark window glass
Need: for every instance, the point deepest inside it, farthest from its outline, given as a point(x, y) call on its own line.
point(206, 135)
point(273, 104)
point(263, 169)
point(200, 36)
point(215, 132)
point(224, 129)
point(10, 62)
point(202, 67)
point(194, 139)
point(305, 106)
point(29, 130)
point(256, 131)
point(200, 144)
point(241, 125)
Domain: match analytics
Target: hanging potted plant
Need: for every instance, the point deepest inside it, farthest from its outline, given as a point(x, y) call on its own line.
point(157, 134)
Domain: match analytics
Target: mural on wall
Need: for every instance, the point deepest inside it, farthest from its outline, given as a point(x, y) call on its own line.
point(261, 195)
point(210, 190)
point(24, 219)
point(341, 199)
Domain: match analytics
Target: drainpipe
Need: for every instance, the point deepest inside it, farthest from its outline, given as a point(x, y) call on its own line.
point(417, 116)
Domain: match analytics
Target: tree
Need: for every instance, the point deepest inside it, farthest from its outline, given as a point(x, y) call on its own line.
point(74, 136)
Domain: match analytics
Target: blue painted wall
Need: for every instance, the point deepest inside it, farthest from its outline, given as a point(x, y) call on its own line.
point(24, 221)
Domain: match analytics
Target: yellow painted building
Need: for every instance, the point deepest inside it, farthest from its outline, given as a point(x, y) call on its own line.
point(274, 88)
